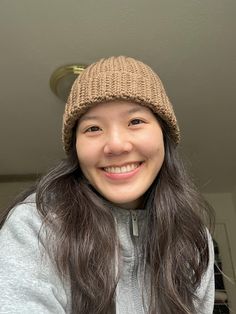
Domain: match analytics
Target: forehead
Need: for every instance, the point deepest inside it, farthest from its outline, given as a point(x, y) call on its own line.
point(118, 106)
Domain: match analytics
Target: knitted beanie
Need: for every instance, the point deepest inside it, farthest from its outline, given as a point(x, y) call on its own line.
point(122, 78)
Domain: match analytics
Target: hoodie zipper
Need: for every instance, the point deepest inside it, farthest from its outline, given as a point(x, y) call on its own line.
point(134, 219)
point(135, 291)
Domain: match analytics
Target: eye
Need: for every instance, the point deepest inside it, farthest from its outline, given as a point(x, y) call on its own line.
point(136, 121)
point(93, 129)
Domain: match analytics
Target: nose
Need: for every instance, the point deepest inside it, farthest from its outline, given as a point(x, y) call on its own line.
point(117, 143)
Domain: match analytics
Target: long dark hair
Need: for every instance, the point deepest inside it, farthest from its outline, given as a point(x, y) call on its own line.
point(175, 243)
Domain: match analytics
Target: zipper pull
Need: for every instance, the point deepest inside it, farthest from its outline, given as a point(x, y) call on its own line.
point(134, 219)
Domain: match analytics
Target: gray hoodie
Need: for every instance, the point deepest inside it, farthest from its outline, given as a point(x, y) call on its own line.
point(29, 284)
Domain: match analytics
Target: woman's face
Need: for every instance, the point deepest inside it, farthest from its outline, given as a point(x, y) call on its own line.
point(120, 150)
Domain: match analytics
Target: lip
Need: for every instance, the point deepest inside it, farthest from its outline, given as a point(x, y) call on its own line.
point(122, 176)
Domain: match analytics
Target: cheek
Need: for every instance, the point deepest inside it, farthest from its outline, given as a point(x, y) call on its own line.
point(83, 151)
point(156, 153)
point(153, 145)
point(87, 153)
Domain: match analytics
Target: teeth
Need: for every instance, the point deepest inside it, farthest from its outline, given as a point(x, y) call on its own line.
point(122, 169)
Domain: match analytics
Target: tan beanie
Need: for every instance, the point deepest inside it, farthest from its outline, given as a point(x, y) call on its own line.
point(121, 78)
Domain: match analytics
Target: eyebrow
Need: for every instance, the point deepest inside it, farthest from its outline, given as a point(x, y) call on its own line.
point(85, 118)
point(130, 111)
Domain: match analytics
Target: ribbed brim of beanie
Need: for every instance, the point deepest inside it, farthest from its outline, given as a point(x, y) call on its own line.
point(115, 78)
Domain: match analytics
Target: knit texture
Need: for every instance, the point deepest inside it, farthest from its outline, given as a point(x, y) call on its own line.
point(114, 78)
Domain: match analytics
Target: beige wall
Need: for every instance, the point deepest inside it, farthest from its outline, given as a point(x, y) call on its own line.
point(234, 197)
point(8, 190)
point(223, 205)
point(225, 235)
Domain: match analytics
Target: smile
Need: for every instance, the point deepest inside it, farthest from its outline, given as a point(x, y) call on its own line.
point(124, 169)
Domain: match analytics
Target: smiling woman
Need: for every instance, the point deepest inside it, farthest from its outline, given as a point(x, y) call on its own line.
point(117, 226)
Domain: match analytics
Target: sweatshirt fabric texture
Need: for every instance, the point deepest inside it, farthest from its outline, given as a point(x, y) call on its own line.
point(29, 282)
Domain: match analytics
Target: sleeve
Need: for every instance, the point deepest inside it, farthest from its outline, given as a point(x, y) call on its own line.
point(29, 283)
point(206, 290)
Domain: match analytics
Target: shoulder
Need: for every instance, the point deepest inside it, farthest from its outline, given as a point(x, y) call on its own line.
point(26, 271)
point(26, 208)
point(23, 219)
point(20, 232)
point(206, 290)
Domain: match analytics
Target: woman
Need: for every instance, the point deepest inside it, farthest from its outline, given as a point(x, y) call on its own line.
point(117, 226)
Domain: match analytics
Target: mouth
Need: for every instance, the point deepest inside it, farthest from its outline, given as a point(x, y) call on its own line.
point(122, 169)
